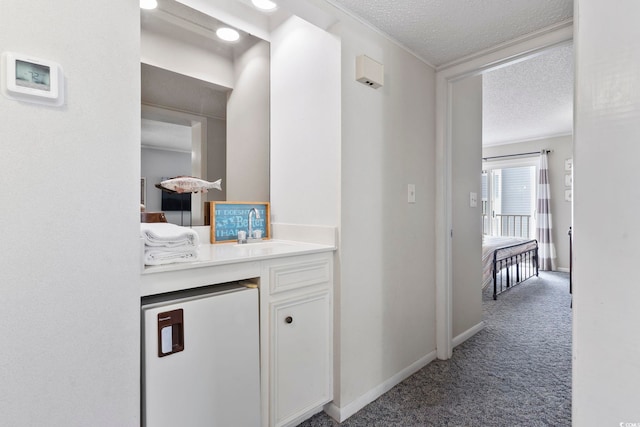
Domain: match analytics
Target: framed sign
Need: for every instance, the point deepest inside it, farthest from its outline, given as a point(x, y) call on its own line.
point(227, 218)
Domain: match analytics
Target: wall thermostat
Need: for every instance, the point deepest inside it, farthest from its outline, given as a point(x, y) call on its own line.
point(29, 79)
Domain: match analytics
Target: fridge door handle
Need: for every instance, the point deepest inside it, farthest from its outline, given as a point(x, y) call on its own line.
point(170, 332)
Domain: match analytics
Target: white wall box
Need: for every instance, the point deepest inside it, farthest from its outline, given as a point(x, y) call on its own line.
point(369, 72)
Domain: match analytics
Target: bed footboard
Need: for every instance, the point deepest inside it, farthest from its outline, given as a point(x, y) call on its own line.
point(513, 265)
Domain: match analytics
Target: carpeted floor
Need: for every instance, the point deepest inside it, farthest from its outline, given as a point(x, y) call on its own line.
point(515, 372)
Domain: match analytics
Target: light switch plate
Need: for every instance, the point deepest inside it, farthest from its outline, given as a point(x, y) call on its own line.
point(473, 200)
point(411, 193)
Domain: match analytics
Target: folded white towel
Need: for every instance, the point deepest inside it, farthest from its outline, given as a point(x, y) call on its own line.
point(164, 234)
point(158, 256)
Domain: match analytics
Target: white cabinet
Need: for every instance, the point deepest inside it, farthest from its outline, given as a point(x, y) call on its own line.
point(296, 317)
point(300, 318)
point(300, 356)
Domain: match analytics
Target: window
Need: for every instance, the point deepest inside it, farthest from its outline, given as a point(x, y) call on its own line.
point(508, 201)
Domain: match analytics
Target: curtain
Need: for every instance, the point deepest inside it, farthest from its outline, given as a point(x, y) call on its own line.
point(546, 249)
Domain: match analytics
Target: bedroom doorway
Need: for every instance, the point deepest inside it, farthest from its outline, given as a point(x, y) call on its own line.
point(455, 195)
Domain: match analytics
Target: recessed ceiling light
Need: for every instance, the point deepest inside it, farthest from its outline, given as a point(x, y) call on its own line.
point(228, 34)
point(264, 4)
point(148, 4)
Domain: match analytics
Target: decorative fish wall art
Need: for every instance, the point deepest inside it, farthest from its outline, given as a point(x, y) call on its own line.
point(188, 184)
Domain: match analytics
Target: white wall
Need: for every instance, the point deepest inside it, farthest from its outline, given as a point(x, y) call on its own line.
point(305, 124)
point(560, 209)
point(248, 127)
point(466, 247)
point(386, 318)
point(606, 353)
point(70, 249)
point(384, 292)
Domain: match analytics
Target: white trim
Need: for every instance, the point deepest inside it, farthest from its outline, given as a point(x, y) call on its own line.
point(508, 55)
point(459, 339)
point(563, 270)
point(514, 42)
point(443, 219)
point(534, 138)
point(510, 52)
point(341, 414)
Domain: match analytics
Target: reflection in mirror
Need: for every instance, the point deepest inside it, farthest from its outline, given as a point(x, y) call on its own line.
point(183, 134)
point(205, 110)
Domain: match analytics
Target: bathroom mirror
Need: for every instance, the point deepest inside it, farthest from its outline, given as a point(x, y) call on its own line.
point(205, 111)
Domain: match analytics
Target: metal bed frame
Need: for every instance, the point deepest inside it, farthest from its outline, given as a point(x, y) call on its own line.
point(522, 264)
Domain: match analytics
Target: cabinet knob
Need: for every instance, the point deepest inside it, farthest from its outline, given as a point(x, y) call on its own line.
point(288, 319)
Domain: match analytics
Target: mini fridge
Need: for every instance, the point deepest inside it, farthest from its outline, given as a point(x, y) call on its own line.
point(200, 358)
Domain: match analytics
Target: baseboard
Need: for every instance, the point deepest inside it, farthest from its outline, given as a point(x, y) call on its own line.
point(563, 269)
point(341, 414)
point(467, 334)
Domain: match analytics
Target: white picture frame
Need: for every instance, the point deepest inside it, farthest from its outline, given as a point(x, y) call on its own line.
point(568, 164)
point(568, 180)
point(568, 195)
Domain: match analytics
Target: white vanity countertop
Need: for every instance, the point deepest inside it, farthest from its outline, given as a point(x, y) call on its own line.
point(231, 253)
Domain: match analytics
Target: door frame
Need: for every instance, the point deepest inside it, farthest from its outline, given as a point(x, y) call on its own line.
point(500, 56)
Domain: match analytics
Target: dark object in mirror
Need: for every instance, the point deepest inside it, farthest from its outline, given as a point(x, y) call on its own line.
point(174, 201)
point(152, 217)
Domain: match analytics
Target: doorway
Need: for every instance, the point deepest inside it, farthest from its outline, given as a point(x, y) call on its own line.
point(446, 80)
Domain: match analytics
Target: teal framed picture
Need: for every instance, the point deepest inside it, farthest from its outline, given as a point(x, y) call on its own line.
point(228, 218)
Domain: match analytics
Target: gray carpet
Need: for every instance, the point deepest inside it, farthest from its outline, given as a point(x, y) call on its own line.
point(515, 372)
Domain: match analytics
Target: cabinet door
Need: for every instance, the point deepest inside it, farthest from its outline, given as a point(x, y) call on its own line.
point(301, 361)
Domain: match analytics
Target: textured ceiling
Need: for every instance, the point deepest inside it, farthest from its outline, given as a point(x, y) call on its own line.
point(441, 31)
point(527, 100)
